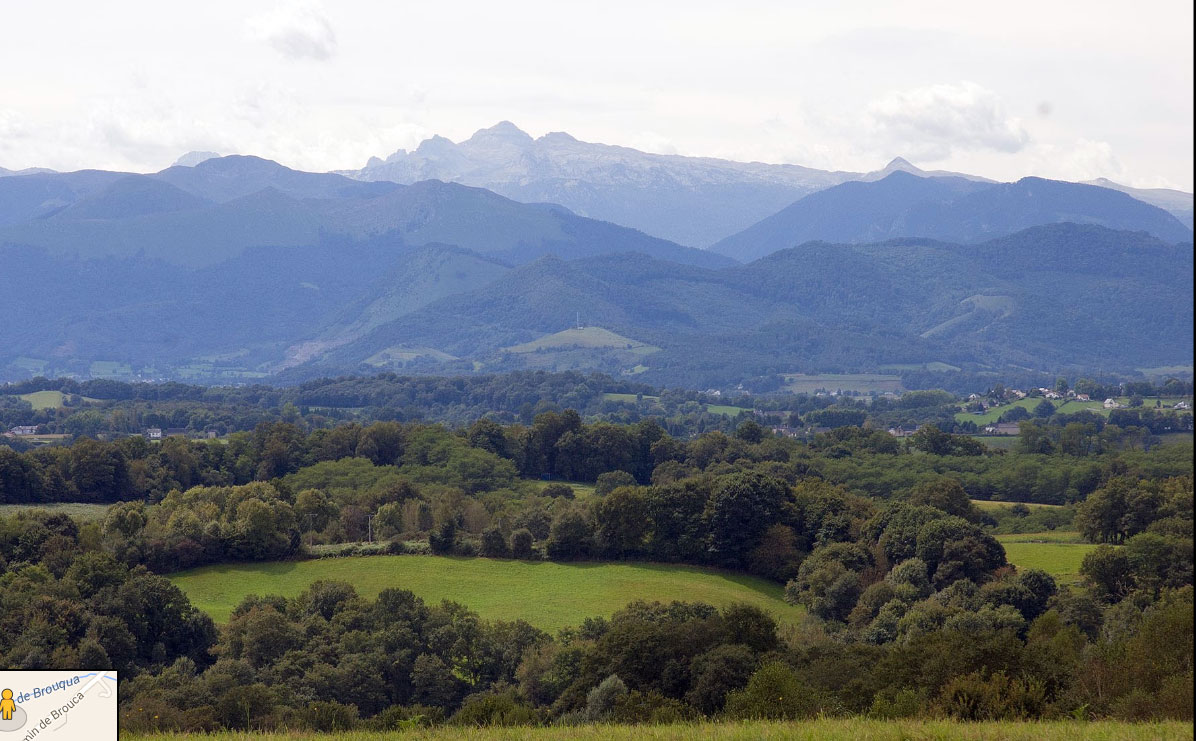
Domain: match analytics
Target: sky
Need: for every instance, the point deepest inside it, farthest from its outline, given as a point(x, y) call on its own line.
point(1069, 90)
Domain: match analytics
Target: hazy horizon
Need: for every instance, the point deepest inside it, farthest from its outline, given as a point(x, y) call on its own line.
point(1065, 91)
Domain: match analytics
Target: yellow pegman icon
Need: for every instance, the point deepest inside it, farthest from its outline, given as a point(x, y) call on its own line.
point(7, 705)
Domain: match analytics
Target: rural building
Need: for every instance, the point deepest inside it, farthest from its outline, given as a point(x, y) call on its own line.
point(154, 433)
point(1112, 404)
point(1002, 428)
point(786, 431)
point(1083, 397)
point(1182, 405)
point(23, 430)
point(903, 431)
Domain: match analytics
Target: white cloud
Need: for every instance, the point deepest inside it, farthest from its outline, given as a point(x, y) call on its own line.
point(931, 123)
point(296, 30)
point(650, 141)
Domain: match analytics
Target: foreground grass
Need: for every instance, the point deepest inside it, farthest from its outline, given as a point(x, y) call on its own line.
point(550, 596)
point(1058, 552)
point(848, 730)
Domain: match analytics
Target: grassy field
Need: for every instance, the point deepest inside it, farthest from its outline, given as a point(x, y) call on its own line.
point(548, 595)
point(581, 489)
point(1057, 552)
point(831, 729)
point(78, 510)
point(723, 409)
point(588, 337)
point(831, 382)
point(990, 506)
point(48, 399)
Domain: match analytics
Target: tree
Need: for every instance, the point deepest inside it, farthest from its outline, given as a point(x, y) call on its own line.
point(1107, 569)
point(444, 538)
point(741, 507)
point(494, 544)
point(522, 541)
point(571, 538)
point(611, 480)
point(622, 522)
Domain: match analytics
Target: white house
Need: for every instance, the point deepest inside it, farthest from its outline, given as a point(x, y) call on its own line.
point(1112, 404)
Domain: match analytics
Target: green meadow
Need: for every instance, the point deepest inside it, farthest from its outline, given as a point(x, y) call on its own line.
point(1057, 552)
point(548, 595)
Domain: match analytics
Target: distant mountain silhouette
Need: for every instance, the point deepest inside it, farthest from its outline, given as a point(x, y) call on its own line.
point(949, 208)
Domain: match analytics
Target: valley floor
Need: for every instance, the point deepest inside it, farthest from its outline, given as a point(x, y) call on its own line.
point(853, 729)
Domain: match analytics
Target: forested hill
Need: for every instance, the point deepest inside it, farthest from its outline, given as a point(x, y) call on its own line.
point(1054, 296)
point(947, 208)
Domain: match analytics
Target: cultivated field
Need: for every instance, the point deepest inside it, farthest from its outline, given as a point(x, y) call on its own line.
point(1057, 552)
point(723, 409)
point(831, 382)
point(853, 729)
point(548, 595)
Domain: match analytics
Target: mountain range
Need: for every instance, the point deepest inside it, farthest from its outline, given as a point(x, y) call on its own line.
point(696, 201)
point(236, 268)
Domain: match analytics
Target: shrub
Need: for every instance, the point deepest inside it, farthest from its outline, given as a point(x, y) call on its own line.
point(522, 543)
point(494, 545)
point(608, 482)
point(775, 693)
point(600, 702)
point(325, 716)
point(496, 708)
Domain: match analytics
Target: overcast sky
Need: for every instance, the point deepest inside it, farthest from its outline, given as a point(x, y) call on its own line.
point(1070, 90)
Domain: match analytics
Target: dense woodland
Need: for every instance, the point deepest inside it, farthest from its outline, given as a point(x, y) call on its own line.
point(912, 607)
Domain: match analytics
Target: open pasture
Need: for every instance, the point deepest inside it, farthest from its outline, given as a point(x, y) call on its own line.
point(548, 595)
point(1057, 552)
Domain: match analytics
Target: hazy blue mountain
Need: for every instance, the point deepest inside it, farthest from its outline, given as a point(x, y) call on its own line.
point(851, 212)
point(1175, 202)
point(24, 197)
point(206, 214)
point(222, 179)
point(130, 196)
point(948, 208)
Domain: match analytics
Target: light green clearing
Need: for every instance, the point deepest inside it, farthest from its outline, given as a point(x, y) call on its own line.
point(630, 398)
point(999, 442)
point(403, 354)
point(991, 506)
point(934, 365)
point(586, 337)
point(581, 490)
point(548, 595)
point(859, 382)
point(49, 399)
point(1057, 552)
point(818, 729)
point(723, 409)
point(78, 510)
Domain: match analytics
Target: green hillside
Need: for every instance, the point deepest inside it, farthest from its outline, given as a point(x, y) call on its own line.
point(548, 595)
